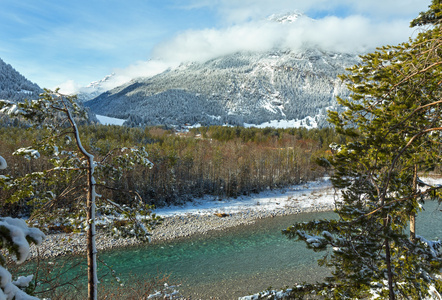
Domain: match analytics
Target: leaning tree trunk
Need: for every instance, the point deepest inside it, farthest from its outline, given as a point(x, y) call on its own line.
point(90, 214)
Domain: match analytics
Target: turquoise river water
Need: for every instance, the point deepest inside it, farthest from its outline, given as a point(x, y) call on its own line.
point(239, 261)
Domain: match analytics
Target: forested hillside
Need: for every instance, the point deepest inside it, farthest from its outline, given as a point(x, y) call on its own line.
point(235, 89)
point(14, 86)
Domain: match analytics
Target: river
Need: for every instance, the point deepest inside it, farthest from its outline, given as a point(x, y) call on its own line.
point(228, 263)
point(238, 261)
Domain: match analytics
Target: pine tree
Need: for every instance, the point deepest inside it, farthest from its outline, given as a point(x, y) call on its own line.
point(16, 238)
point(432, 16)
point(77, 204)
point(392, 124)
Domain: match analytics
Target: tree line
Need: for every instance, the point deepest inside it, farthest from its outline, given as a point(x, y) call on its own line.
point(220, 161)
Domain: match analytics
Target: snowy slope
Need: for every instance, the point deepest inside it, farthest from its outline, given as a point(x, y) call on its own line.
point(14, 86)
point(245, 87)
point(250, 88)
point(95, 88)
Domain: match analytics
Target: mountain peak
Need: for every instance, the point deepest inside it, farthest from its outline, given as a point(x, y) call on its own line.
point(288, 17)
point(99, 83)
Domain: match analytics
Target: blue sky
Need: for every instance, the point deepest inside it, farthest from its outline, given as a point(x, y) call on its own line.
point(71, 43)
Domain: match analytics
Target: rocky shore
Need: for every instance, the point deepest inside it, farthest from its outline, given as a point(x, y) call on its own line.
point(178, 226)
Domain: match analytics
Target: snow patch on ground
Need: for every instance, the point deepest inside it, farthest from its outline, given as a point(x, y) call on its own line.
point(312, 194)
point(110, 121)
point(308, 123)
point(268, 295)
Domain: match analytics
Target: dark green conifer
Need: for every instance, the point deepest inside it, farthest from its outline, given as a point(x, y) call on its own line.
point(392, 123)
point(432, 16)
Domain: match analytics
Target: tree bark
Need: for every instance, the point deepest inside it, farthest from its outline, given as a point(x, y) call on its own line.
point(91, 247)
point(388, 259)
point(90, 214)
point(389, 272)
point(413, 227)
point(413, 215)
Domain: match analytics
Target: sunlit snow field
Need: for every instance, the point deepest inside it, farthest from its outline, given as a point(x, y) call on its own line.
point(110, 121)
point(318, 194)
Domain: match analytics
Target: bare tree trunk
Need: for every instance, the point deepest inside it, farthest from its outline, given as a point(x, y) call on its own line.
point(388, 259)
point(389, 272)
point(413, 227)
point(91, 247)
point(413, 215)
point(90, 214)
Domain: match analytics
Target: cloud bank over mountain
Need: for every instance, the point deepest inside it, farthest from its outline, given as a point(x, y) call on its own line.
point(295, 31)
point(350, 34)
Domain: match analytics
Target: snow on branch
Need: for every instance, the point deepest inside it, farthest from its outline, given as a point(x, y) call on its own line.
point(27, 152)
point(434, 246)
point(3, 164)
point(16, 236)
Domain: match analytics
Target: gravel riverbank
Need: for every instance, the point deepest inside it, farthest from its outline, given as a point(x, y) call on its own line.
point(172, 227)
point(190, 222)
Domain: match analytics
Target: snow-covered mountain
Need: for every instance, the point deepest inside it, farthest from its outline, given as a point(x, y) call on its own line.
point(242, 88)
point(94, 89)
point(14, 86)
point(239, 88)
point(287, 17)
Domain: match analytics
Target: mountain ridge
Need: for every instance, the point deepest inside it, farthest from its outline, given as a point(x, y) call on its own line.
point(14, 86)
point(245, 87)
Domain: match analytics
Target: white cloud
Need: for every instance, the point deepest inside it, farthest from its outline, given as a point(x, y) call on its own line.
point(139, 69)
point(68, 87)
point(201, 45)
point(351, 34)
point(145, 69)
point(120, 76)
point(341, 25)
